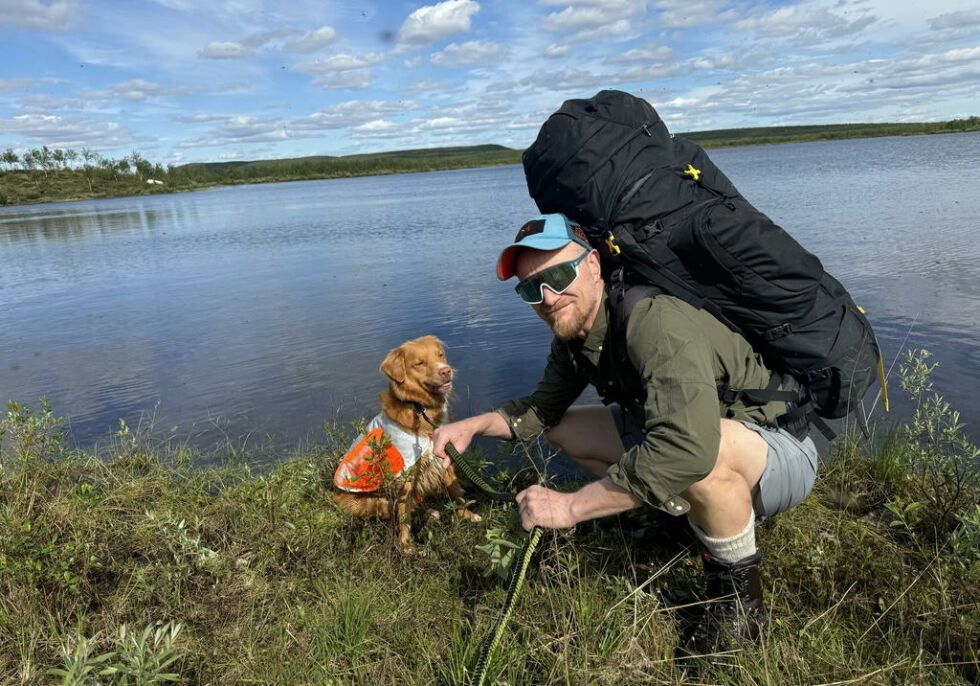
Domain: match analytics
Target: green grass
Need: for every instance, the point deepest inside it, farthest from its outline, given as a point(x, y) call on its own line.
point(143, 563)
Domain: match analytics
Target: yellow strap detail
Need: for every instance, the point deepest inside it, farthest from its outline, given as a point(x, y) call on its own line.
point(611, 245)
point(884, 384)
point(860, 309)
point(692, 172)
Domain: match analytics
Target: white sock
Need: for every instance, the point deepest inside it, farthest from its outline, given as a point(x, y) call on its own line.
point(732, 549)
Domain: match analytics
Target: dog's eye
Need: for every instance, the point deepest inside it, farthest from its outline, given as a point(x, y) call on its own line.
point(418, 364)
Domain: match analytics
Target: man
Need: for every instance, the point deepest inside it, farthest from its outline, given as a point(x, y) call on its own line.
point(672, 444)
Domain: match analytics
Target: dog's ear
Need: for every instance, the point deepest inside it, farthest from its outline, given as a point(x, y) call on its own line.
point(394, 365)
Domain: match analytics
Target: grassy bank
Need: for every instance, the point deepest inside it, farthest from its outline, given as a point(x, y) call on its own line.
point(141, 564)
point(52, 176)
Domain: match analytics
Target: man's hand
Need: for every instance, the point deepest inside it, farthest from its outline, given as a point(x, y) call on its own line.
point(461, 433)
point(540, 506)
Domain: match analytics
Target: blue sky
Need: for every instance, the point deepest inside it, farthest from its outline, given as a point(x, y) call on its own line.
point(208, 80)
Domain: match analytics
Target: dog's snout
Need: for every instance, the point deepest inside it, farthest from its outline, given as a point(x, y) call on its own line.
point(446, 373)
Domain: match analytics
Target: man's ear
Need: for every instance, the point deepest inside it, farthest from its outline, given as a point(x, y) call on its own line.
point(394, 365)
point(596, 263)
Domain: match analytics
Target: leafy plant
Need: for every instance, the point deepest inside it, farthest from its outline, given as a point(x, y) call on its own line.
point(145, 657)
point(908, 515)
point(943, 465)
point(81, 666)
point(501, 551)
point(139, 659)
point(31, 434)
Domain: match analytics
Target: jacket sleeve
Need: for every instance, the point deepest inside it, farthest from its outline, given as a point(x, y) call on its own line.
point(681, 413)
point(561, 384)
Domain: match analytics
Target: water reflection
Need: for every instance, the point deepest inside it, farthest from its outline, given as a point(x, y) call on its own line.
point(266, 310)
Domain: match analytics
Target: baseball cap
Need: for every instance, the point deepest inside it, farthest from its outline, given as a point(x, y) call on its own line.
point(545, 232)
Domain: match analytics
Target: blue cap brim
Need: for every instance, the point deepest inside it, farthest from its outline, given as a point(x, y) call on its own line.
point(554, 235)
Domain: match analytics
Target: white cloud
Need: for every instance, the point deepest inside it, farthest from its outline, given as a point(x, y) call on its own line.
point(569, 79)
point(955, 20)
point(342, 72)
point(470, 54)
point(225, 50)
point(68, 132)
point(139, 90)
point(574, 19)
point(596, 19)
point(434, 22)
point(681, 102)
point(340, 62)
point(45, 104)
point(314, 40)
point(375, 126)
point(35, 14)
point(200, 118)
point(349, 79)
point(654, 53)
point(11, 85)
point(425, 86)
point(260, 38)
point(346, 115)
point(804, 23)
point(685, 14)
point(557, 50)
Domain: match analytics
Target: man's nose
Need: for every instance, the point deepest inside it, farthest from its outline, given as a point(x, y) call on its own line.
point(549, 297)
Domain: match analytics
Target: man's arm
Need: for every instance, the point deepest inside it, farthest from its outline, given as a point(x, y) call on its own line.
point(540, 506)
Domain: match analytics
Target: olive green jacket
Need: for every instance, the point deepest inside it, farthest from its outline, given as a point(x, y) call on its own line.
point(679, 355)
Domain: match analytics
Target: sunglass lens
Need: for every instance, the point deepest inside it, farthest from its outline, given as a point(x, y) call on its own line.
point(558, 278)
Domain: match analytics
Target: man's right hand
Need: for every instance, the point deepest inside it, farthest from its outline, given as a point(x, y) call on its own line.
point(461, 433)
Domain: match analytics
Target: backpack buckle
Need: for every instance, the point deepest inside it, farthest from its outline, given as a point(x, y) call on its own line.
point(692, 172)
point(614, 249)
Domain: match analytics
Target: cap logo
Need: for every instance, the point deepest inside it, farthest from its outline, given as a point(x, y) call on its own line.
point(532, 227)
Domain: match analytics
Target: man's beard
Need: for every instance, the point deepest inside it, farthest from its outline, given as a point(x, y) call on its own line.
point(567, 327)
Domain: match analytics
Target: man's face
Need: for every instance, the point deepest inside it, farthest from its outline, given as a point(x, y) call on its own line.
point(571, 313)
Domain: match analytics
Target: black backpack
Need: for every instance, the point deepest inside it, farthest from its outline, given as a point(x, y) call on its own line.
point(661, 213)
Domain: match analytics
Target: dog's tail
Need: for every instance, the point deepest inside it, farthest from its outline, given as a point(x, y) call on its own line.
point(365, 505)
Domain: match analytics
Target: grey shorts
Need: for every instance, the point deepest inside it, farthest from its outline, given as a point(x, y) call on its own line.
point(791, 465)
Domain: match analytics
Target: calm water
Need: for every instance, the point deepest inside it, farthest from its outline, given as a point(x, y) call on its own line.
point(259, 312)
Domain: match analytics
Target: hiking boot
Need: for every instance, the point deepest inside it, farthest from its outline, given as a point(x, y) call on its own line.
point(734, 610)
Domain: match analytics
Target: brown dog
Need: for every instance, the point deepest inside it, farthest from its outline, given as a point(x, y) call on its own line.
point(418, 375)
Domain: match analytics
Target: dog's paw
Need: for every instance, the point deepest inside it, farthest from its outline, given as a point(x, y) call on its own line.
point(469, 516)
point(432, 515)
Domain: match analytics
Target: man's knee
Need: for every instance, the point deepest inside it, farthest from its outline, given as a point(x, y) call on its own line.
point(720, 481)
point(741, 451)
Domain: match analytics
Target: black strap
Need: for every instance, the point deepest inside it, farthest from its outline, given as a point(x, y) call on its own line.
point(759, 396)
point(825, 429)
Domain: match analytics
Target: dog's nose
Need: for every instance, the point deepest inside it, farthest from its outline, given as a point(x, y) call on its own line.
point(446, 373)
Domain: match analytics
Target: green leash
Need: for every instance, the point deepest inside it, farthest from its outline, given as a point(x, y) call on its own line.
point(520, 570)
point(516, 577)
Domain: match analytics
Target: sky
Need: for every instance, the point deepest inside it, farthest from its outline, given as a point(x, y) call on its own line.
point(210, 80)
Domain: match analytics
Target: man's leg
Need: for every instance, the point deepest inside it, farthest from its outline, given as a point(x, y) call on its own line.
point(724, 507)
point(721, 503)
point(588, 434)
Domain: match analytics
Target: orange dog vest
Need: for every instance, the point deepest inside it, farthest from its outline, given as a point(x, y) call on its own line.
point(363, 469)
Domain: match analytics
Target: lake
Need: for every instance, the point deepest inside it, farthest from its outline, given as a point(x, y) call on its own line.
point(256, 313)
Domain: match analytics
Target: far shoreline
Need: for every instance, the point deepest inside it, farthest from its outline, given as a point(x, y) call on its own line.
point(20, 187)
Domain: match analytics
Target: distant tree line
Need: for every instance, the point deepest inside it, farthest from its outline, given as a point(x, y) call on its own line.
point(44, 161)
point(49, 174)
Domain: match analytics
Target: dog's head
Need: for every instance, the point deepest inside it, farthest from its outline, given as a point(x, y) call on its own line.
point(418, 371)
